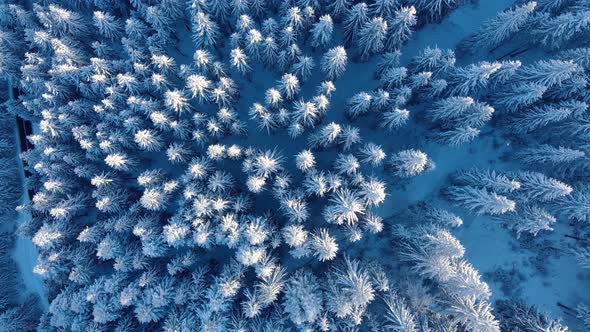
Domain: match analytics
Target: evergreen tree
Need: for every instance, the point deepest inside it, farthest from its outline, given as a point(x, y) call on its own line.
point(321, 32)
point(560, 29)
point(334, 62)
point(488, 179)
point(356, 17)
point(500, 28)
point(400, 27)
point(408, 163)
point(303, 300)
point(372, 36)
point(480, 201)
point(547, 154)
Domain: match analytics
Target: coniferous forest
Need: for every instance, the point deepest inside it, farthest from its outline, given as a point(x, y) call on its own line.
point(295, 165)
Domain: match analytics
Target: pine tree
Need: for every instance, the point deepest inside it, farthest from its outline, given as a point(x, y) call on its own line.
point(205, 32)
point(547, 154)
point(355, 19)
point(323, 245)
point(408, 163)
point(346, 207)
point(338, 8)
point(474, 314)
point(239, 60)
point(472, 79)
point(359, 104)
point(400, 27)
point(371, 37)
point(519, 95)
point(107, 25)
point(334, 62)
point(383, 8)
point(394, 119)
point(199, 87)
point(350, 290)
point(538, 187)
point(545, 115)
point(303, 300)
point(148, 140)
point(500, 28)
point(530, 219)
point(480, 201)
point(577, 205)
point(434, 60)
point(321, 32)
point(398, 315)
point(289, 85)
point(304, 67)
point(450, 108)
point(560, 29)
point(372, 154)
point(488, 179)
point(549, 73)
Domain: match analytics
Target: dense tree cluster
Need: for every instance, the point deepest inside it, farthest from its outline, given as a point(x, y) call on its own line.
point(161, 201)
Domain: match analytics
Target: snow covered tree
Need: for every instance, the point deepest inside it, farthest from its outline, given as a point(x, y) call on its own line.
point(303, 299)
point(450, 108)
point(577, 205)
point(372, 153)
point(457, 136)
point(289, 85)
point(472, 78)
point(338, 8)
point(176, 101)
point(488, 179)
point(323, 245)
point(434, 60)
point(305, 160)
point(538, 187)
point(354, 20)
point(529, 219)
point(400, 27)
point(371, 37)
point(359, 104)
point(500, 28)
point(547, 154)
point(148, 140)
point(544, 115)
point(549, 73)
point(480, 201)
point(345, 208)
point(107, 25)
point(519, 95)
point(474, 314)
point(205, 31)
point(321, 32)
point(558, 30)
point(383, 8)
point(350, 290)
point(239, 60)
point(408, 163)
point(326, 136)
point(304, 67)
point(398, 315)
point(334, 62)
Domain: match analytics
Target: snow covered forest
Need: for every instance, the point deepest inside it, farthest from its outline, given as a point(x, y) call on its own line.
point(295, 165)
